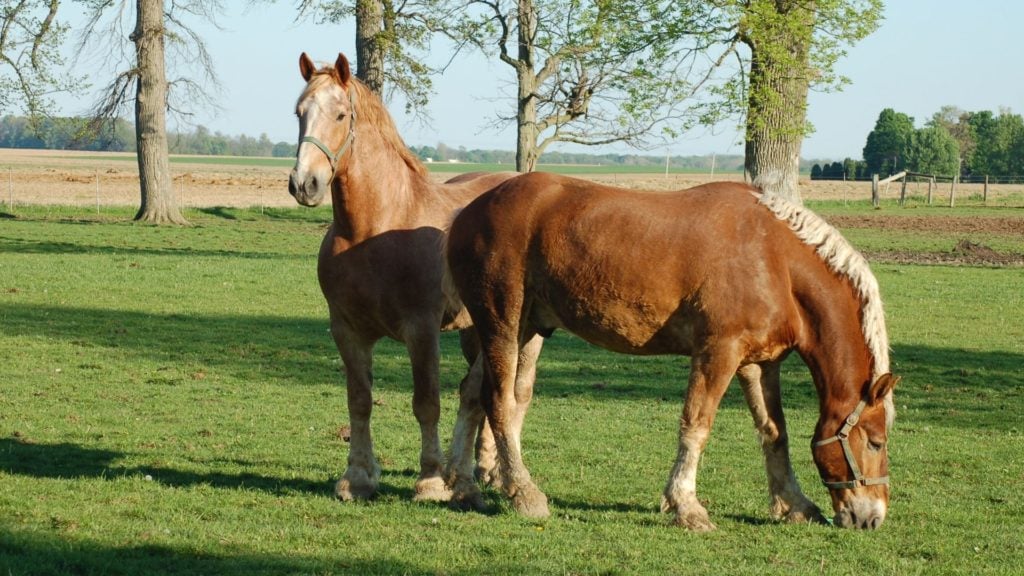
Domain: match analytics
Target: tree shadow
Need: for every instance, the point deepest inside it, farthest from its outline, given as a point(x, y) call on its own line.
point(68, 461)
point(14, 245)
point(35, 552)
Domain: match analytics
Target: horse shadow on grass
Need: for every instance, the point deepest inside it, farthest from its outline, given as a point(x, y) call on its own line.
point(68, 461)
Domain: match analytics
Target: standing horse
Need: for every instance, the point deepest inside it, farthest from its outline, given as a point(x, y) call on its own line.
point(380, 263)
point(733, 278)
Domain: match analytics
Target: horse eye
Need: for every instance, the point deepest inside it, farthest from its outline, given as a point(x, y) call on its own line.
point(875, 446)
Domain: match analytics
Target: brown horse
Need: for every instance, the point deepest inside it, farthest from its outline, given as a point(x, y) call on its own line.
point(380, 264)
point(733, 278)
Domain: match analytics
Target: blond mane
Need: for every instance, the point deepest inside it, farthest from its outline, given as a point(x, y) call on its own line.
point(844, 259)
point(370, 111)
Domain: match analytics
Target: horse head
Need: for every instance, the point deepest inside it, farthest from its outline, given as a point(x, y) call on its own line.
point(326, 113)
point(853, 461)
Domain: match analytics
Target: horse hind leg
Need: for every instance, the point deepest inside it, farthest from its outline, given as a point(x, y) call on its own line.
point(505, 399)
point(760, 383)
point(362, 476)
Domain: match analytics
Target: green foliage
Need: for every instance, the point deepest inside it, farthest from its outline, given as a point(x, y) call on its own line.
point(171, 401)
point(933, 150)
point(999, 139)
point(30, 57)
point(885, 150)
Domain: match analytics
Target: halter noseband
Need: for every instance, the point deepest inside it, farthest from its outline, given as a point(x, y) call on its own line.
point(333, 157)
point(842, 437)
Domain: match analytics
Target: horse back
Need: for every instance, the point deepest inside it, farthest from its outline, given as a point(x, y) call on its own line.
point(635, 272)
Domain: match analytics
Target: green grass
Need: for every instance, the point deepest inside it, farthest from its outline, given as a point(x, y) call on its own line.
point(169, 401)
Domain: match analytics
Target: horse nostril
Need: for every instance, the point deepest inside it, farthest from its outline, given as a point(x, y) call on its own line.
point(292, 188)
point(874, 523)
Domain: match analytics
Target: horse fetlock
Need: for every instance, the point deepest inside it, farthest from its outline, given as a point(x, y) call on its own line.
point(489, 475)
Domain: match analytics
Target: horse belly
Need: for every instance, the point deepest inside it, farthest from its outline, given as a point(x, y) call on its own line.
point(628, 325)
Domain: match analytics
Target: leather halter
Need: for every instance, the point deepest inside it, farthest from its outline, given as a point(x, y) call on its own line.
point(842, 436)
point(332, 156)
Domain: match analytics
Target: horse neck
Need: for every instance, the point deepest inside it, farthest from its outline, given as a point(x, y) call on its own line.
point(375, 191)
point(835, 348)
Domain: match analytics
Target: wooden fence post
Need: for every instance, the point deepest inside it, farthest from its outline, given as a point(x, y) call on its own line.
point(952, 193)
point(984, 194)
point(874, 190)
point(931, 183)
point(903, 190)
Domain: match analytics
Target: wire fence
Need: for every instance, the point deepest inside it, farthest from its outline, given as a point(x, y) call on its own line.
point(107, 186)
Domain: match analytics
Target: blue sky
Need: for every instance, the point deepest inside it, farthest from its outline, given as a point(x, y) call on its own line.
point(925, 55)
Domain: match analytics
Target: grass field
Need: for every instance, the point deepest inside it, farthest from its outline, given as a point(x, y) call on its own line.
point(170, 404)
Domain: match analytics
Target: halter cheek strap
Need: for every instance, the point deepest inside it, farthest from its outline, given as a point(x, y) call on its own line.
point(332, 156)
point(843, 438)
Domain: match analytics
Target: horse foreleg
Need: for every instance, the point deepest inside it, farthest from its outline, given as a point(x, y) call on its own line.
point(362, 476)
point(761, 388)
point(709, 378)
point(424, 352)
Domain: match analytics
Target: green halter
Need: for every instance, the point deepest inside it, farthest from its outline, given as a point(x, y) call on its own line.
point(333, 157)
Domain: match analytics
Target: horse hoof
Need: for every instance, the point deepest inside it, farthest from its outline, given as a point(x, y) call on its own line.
point(467, 501)
point(532, 504)
point(432, 490)
point(811, 515)
point(695, 521)
point(347, 491)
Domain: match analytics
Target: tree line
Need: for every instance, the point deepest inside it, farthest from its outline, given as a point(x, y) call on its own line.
point(953, 142)
point(118, 135)
point(587, 72)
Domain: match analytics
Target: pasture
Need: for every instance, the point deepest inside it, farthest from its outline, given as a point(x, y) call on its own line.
point(170, 403)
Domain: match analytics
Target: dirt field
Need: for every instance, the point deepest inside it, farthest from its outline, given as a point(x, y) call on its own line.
point(89, 178)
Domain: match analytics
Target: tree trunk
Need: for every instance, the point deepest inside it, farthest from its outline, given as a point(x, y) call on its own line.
point(369, 44)
point(158, 203)
point(777, 101)
point(526, 106)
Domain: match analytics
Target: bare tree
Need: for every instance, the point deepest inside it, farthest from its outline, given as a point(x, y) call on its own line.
point(392, 41)
point(145, 82)
point(594, 72)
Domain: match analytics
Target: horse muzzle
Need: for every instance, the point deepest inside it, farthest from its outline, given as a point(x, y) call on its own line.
point(308, 189)
point(861, 513)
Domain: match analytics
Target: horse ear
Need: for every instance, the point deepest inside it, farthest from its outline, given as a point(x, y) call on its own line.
point(341, 65)
point(306, 66)
point(882, 387)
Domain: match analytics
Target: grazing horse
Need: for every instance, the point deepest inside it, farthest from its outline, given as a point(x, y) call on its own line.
point(380, 265)
point(722, 273)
